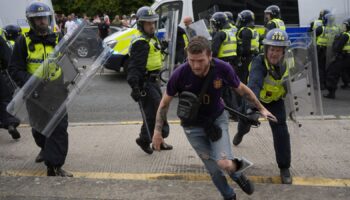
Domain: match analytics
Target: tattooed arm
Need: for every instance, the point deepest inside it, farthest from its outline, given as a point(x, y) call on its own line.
point(161, 117)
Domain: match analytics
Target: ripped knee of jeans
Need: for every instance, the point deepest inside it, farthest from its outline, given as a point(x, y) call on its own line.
point(226, 165)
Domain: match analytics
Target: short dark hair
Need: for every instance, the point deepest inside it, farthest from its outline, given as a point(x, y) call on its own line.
point(198, 44)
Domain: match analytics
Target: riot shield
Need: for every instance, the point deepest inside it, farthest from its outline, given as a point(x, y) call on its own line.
point(47, 94)
point(171, 25)
point(332, 30)
point(198, 28)
point(303, 99)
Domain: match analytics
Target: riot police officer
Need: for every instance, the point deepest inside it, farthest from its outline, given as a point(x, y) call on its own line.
point(143, 72)
point(265, 80)
point(12, 32)
point(8, 121)
point(231, 20)
point(224, 47)
point(248, 42)
point(318, 22)
point(272, 18)
point(341, 63)
point(29, 52)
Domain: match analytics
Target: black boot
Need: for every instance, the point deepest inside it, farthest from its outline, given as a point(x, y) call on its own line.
point(245, 184)
point(40, 157)
point(145, 146)
point(330, 95)
point(286, 177)
point(58, 171)
point(237, 139)
point(13, 132)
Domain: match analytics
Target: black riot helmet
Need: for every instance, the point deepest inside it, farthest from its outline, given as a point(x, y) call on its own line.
point(39, 10)
point(218, 20)
point(12, 32)
point(323, 13)
point(346, 23)
point(230, 16)
point(245, 18)
point(145, 14)
point(274, 11)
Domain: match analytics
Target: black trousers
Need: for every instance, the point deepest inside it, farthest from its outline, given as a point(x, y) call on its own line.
point(280, 134)
point(150, 104)
point(337, 69)
point(6, 119)
point(321, 56)
point(56, 146)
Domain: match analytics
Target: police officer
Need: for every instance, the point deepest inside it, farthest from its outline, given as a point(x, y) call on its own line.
point(224, 47)
point(12, 32)
point(272, 18)
point(143, 71)
point(29, 52)
point(181, 44)
point(248, 42)
point(8, 121)
point(318, 22)
point(265, 80)
point(323, 35)
point(341, 63)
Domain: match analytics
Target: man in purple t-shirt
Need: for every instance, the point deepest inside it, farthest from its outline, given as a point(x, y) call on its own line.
point(216, 154)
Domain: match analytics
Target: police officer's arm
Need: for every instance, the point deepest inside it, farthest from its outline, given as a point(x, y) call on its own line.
point(137, 63)
point(244, 48)
point(218, 39)
point(339, 43)
point(319, 31)
point(18, 65)
point(161, 117)
point(5, 53)
point(311, 27)
point(270, 25)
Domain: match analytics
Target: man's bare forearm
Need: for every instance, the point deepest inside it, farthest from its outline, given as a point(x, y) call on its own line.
point(161, 117)
point(248, 94)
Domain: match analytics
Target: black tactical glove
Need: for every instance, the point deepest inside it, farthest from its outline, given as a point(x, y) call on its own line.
point(213, 132)
point(136, 94)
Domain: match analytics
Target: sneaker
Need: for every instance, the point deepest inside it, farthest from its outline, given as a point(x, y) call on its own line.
point(40, 157)
point(145, 146)
point(245, 184)
point(286, 177)
point(58, 171)
point(164, 146)
point(13, 132)
point(237, 139)
point(231, 198)
point(242, 164)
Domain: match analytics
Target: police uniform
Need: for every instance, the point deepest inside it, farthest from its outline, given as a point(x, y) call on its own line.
point(266, 81)
point(29, 52)
point(340, 65)
point(181, 44)
point(144, 66)
point(6, 90)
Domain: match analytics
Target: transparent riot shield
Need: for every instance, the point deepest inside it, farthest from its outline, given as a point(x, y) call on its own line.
point(171, 25)
point(198, 28)
point(303, 99)
point(332, 30)
point(206, 15)
point(47, 94)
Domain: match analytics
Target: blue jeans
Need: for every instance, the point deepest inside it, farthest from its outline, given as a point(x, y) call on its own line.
point(210, 152)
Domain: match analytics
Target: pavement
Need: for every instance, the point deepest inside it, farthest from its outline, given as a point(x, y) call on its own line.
point(107, 164)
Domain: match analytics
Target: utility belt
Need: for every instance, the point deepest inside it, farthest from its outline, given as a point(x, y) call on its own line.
point(152, 76)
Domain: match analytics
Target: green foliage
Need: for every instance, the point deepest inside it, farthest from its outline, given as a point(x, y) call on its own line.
point(93, 7)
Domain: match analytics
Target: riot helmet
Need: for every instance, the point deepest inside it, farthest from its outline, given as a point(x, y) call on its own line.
point(328, 19)
point(39, 10)
point(145, 14)
point(273, 11)
point(218, 20)
point(323, 13)
point(276, 37)
point(245, 18)
point(346, 24)
point(230, 16)
point(12, 32)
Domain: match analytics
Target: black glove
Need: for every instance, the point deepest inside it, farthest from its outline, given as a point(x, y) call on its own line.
point(136, 94)
point(253, 117)
point(213, 132)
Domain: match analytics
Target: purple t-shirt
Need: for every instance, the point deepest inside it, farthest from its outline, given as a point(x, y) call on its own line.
point(183, 79)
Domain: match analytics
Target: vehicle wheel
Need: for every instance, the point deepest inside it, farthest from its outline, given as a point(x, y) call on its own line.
point(83, 51)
